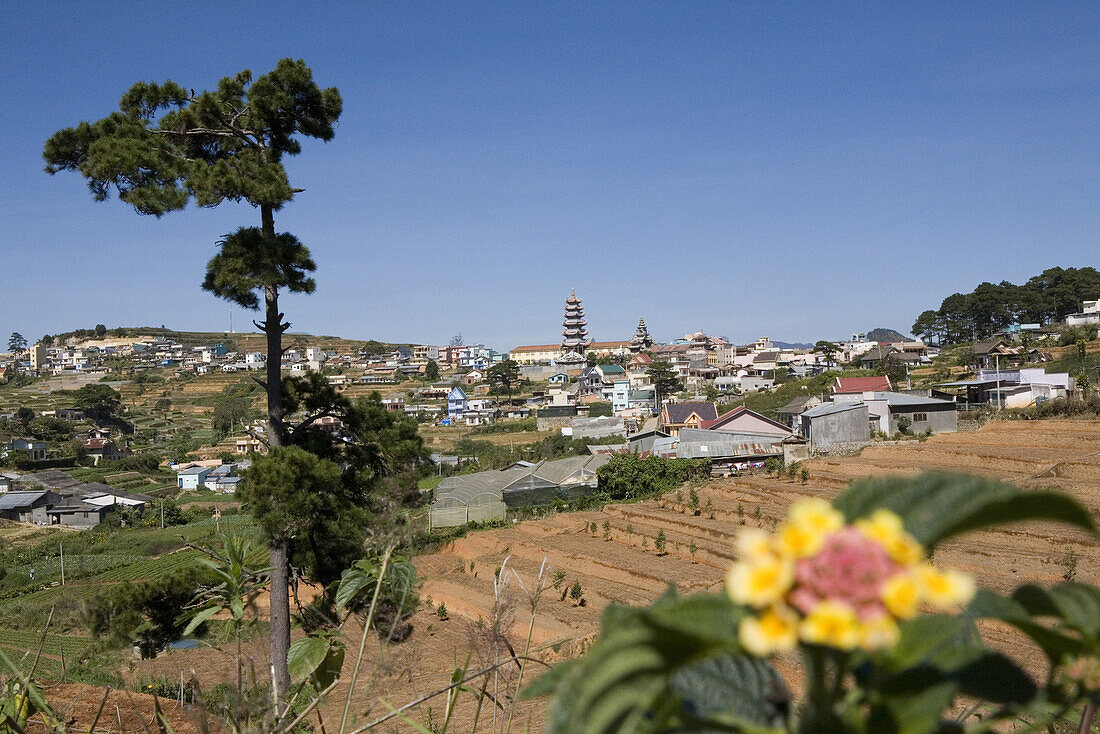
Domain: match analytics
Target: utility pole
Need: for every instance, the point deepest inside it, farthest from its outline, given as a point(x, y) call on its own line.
point(61, 547)
point(162, 513)
point(1000, 400)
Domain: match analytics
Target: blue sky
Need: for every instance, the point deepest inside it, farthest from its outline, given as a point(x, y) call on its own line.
point(794, 170)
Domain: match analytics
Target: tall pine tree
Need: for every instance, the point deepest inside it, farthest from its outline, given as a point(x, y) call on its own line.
point(166, 146)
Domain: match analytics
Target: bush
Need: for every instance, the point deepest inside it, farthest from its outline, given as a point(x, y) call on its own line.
point(148, 612)
point(626, 476)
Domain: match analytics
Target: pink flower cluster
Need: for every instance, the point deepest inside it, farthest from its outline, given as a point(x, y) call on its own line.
point(850, 568)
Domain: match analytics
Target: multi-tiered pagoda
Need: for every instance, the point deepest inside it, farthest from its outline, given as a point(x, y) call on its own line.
point(574, 334)
point(641, 341)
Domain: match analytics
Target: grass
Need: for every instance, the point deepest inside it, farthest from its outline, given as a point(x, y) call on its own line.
point(430, 482)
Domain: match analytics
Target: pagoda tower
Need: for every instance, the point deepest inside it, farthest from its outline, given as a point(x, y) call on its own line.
point(574, 334)
point(641, 341)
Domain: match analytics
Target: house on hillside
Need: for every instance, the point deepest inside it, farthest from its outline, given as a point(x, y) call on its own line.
point(592, 428)
point(456, 402)
point(35, 449)
point(28, 506)
point(836, 425)
point(852, 388)
point(755, 383)
point(249, 445)
point(77, 512)
point(765, 361)
point(991, 354)
point(675, 416)
point(887, 409)
point(744, 419)
point(473, 377)
point(101, 449)
point(874, 358)
point(192, 477)
point(730, 452)
point(789, 413)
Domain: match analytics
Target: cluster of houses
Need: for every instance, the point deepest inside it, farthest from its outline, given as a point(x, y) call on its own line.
point(212, 475)
point(55, 498)
point(97, 444)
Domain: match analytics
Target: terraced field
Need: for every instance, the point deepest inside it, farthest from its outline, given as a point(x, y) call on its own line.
point(620, 564)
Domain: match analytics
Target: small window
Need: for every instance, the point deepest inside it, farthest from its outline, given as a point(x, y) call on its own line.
point(920, 417)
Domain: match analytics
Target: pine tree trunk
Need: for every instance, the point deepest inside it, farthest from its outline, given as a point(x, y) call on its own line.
point(279, 596)
point(280, 617)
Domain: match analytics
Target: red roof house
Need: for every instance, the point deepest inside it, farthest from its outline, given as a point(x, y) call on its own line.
point(858, 385)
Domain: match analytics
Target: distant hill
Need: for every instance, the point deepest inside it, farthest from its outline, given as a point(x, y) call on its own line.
point(792, 345)
point(242, 342)
point(886, 335)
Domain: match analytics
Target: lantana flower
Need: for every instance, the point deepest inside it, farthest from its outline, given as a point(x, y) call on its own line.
point(824, 582)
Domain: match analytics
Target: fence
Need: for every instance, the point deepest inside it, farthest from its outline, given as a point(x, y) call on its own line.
point(449, 517)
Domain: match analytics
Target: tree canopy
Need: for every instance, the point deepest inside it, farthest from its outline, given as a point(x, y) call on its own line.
point(167, 145)
point(1045, 298)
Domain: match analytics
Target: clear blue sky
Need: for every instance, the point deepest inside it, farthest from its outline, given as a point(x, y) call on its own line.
point(795, 170)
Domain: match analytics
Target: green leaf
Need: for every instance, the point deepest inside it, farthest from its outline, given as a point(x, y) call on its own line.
point(199, 618)
point(306, 655)
point(929, 637)
point(1078, 605)
point(548, 682)
point(732, 690)
point(913, 713)
point(1054, 643)
point(993, 677)
point(353, 581)
point(329, 669)
point(936, 506)
point(622, 681)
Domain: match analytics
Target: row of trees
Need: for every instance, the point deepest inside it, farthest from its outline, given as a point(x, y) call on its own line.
point(1044, 299)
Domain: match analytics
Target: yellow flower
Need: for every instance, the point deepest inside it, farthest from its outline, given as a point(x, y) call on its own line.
point(795, 541)
point(775, 630)
point(832, 624)
point(902, 594)
point(945, 589)
point(815, 514)
point(808, 523)
point(886, 528)
point(752, 544)
point(759, 582)
point(878, 633)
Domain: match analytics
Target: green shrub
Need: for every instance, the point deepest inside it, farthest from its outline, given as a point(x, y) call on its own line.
point(626, 476)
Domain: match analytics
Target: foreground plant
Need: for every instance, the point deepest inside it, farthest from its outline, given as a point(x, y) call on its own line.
point(888, 641)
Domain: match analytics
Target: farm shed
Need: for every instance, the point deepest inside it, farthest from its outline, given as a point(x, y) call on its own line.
point(75, 512)
point(487, 495)
point(834, 425)
point(27, 506)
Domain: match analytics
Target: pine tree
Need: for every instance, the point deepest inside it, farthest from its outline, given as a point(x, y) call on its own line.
point(167, 146)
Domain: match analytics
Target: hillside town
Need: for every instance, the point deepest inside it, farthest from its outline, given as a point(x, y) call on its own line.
point(684, 399)
point(777, 409)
